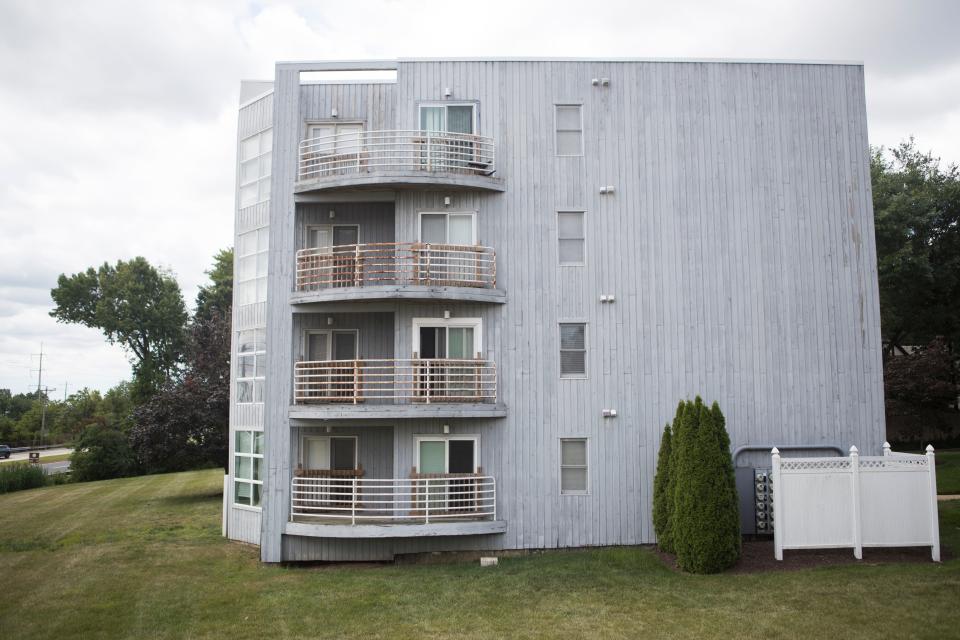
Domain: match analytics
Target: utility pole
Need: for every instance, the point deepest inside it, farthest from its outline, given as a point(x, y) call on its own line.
point(40, 370)
point(65, 391)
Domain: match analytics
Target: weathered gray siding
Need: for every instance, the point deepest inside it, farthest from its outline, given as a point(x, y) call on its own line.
point(739, 245)
point(245, 523)
point(375, 219)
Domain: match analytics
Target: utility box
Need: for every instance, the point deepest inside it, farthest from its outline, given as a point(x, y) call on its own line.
point(755, 492)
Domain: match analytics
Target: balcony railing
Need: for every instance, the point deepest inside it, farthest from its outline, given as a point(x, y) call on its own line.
point(395, 381)
point(411, 263)
point(334, 498)
point(399, 150)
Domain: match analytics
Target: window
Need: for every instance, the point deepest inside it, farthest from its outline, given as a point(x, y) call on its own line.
point(251, 280)
point(329, 453)
point(335, 138)
point(453, 118)
point(570, 234)
point(447, 228)
point(573, 349)
point(255, 158)
point(573, 465)
point(251, 365)
point(248, 467)
point(453, 454)
point(569, 121)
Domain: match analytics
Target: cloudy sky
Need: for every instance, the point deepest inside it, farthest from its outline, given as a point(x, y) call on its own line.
point(118, 119)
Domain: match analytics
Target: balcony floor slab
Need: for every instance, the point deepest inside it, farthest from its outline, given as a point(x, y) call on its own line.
point(423, 411)
point(460, 528)
point(399, 292)
point(412, 179)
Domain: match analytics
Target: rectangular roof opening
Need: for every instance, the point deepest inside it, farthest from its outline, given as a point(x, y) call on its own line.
point(348, 77)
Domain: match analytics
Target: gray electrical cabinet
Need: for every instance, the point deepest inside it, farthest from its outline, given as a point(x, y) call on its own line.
point(755, 491)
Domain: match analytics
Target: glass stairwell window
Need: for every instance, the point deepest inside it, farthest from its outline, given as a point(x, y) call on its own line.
point(247, 467)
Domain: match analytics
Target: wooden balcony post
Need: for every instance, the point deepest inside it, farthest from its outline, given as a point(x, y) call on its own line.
point(356, 381)
point(358, 268)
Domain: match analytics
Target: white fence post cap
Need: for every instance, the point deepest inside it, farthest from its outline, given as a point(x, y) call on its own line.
point(853, 449)
point(775, 451)
point(929, 448)
point(886, 445)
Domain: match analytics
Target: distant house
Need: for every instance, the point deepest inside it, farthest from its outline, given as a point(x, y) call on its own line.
point(469, 296)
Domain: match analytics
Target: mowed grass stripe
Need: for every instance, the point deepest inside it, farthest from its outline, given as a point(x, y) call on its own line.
point(145, 560)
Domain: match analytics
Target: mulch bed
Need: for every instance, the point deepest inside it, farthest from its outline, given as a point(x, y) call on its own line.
point(758, 557)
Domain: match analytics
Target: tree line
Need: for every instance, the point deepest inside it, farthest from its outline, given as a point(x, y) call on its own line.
point(173, 414)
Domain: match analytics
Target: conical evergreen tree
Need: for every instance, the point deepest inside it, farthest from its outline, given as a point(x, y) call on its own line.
point(661, 505)
point(665, 542)
point(706, 519)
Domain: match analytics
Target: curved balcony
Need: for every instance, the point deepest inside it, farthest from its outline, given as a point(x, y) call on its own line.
point(411, 388)
point(344, 504)
point(411, 270)
point(397, 158)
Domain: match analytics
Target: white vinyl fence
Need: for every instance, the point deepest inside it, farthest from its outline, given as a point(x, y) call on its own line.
point(857, 501)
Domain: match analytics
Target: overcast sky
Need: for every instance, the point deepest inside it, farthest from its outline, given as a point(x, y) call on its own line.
point(118, 119)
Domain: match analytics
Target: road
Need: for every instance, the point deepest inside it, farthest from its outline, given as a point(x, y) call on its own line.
point(24, 455)
point(56, 467)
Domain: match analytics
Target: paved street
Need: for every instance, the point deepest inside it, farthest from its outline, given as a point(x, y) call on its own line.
point(24, 455)
point(57, 467)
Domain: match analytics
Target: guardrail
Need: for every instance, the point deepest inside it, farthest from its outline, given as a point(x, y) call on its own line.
point(399, 381)
point(403, 150)
point(424, 498)
point(396, 263)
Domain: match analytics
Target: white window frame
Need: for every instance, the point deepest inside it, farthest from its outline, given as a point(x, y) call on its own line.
point(586, 349)
point(446, 448)
point(335, 123)
point(310, 227)
point(306, 437)
point(447, 103)
point(329, 332)
point(583, 219)
point(473, 220)
point(254, 378)
point(556, 130)
point(240, 161)
point(473, 323)
point(239, 284)
point(585, 466)
point(233, 469)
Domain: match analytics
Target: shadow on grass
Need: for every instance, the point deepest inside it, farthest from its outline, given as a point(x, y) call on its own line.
point(191, 498)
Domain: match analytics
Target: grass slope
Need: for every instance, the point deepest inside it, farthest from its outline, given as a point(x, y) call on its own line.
point(948, 472)
point(143, 558)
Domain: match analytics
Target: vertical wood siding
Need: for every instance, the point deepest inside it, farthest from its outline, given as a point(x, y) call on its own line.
point(245, 524)
point(739, 245)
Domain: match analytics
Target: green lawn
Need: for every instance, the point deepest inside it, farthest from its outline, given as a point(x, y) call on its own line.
point(948, 472)
point(143, 558)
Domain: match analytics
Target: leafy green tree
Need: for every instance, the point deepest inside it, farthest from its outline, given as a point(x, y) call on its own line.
point(33, 426)
point(117, 407)
point(662, 507)
point(185, 425)
point(919, 387)
point(917, 220)
point(217, 296)
point(102, 453)
point(136, 305)
point(706, 520)
point(77, 412)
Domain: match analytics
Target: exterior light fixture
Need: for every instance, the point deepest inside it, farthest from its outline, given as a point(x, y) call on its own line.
point(334, 113)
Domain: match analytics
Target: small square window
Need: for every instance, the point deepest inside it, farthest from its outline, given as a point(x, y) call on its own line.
point(573, 465)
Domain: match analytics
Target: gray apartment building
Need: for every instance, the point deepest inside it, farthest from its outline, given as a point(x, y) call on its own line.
point(470, 293)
